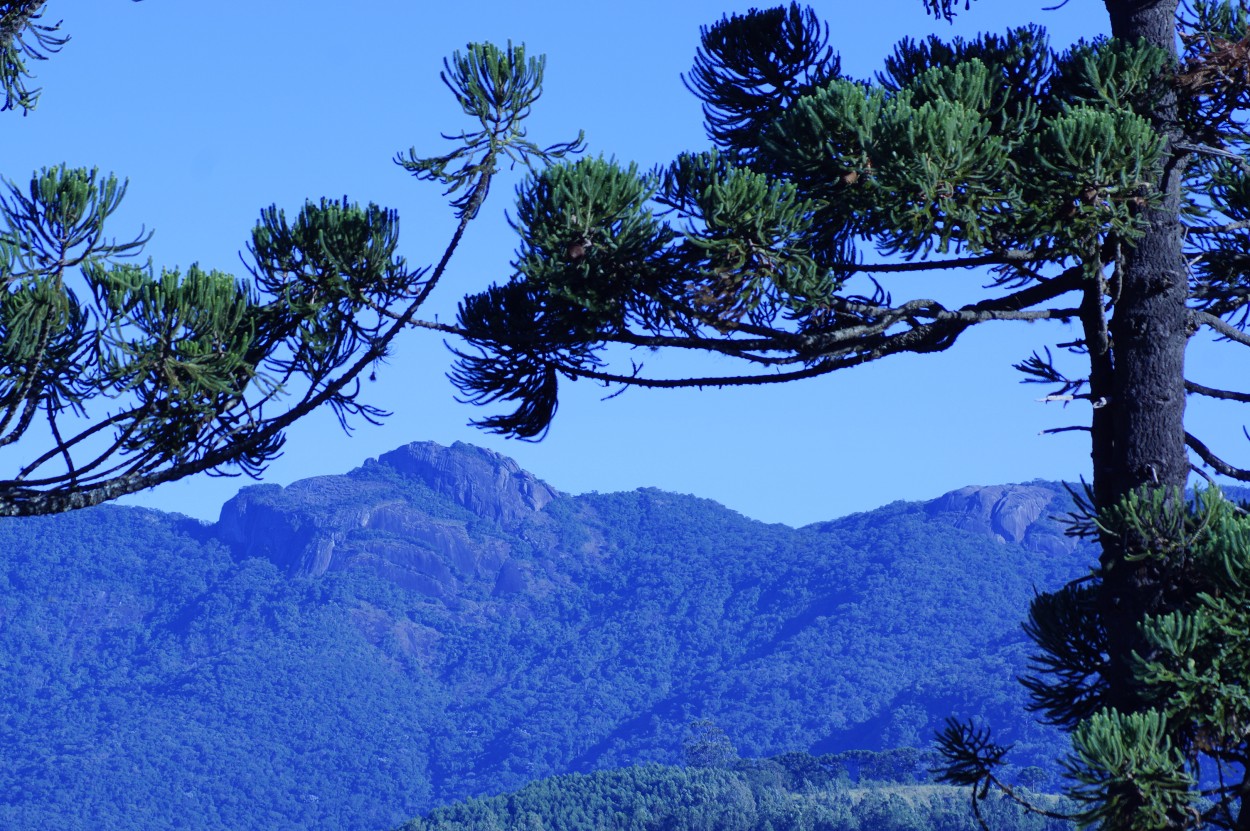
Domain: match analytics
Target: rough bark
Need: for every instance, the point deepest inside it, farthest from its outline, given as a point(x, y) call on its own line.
point(1143, 433)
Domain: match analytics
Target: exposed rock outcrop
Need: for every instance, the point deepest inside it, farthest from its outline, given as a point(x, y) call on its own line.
point(1023, 514)
point(484, 482)
point(370, 519)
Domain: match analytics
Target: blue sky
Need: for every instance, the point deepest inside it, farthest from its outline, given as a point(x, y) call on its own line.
point(214, 110)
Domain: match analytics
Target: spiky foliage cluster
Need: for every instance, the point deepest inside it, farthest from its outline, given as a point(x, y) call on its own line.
point(998, 152)
point(498, 87)
point(945, 8)
point(23, 38)
point(748, 74)
point(1143, 769)
point(132, 376)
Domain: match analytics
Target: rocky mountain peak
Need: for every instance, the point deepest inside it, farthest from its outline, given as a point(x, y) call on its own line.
point(381, 518)
point(483, 481)
point(1026, 515)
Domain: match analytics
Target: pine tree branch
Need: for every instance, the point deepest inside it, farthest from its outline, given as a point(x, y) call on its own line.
point(25, 397)
point(1221, 326)
point(1008, 257)
point(945, 8)
point(1201, 230)
point(1016, 306)
point(1029, 806)
point(1211, 392)
point(847, 346)
point(434, 325)
point(22, 39)
point(22, 479)
point(1227, 302)
point(1214, 152)
point(21, 499)
point(15, 19)
point(932, 337)
point(480, 190)
point(714, 382)
point(1213, 461)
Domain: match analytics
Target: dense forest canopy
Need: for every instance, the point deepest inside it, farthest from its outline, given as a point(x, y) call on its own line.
point(795, 792)
point(168, 674)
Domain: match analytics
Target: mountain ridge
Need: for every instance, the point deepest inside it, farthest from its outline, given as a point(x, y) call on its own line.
point(440, 624)
point(494, 487)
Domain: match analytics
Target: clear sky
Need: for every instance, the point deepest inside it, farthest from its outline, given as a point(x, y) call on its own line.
point(214, 110)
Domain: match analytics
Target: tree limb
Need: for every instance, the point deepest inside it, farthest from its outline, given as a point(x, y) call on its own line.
point(1201, 230)
point(1214, 461)
point(1211, 392)
point(1222, 327)
point(1008, 257)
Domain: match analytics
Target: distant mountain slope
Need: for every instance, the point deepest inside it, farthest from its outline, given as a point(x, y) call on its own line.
point(349, 651)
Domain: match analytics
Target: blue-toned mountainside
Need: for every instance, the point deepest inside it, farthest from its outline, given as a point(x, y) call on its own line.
point(350, 651)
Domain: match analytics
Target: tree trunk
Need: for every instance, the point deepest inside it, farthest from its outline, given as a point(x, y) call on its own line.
point(1145, 447)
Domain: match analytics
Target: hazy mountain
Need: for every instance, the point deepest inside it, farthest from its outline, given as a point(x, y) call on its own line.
point(349, 651)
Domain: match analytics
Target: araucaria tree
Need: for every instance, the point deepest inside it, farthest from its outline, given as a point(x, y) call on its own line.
point(131, 378)
point(1104, 186)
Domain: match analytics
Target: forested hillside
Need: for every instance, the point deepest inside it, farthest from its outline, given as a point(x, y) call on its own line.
point(350, 651)
point(794, 792)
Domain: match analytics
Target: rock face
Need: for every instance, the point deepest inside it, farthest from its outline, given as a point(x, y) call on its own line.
point(487, 484)
point(402, 517)
point(1027, 515)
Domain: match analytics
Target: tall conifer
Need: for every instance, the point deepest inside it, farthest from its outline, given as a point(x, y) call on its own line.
point(1104, 185)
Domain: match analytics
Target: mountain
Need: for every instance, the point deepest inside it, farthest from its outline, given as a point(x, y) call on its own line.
point(350, 651)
